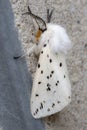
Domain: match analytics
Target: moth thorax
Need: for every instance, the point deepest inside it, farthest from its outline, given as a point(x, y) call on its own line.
point(38, 34)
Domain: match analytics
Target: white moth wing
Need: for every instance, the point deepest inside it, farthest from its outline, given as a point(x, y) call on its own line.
point(51, 90)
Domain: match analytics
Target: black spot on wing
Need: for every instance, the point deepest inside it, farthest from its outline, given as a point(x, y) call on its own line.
point(34, 114)
point(36, 95)
point(48, 84)
point(50, 60)
point(58, 102)
point(48, 89)
point(54, 92)
point(53, 104)
point(36, 111)
point(56, 84)
point(44, 45)
point(64, 76)
point(44, 101)
point(39, 82)
point(58, 81)
point(48, 109)
point(52, 71)
point(38, 65)
point(47, 77)
point(41, 71)
point(41, 52)
point(50, 75)
point(69, 97)
point(48, 55)
point(60, 64)
point(41, 105)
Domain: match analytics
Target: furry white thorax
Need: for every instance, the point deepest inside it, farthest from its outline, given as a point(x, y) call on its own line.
point(56, 37)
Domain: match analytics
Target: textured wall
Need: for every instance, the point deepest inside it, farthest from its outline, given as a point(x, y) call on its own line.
point(71, 14)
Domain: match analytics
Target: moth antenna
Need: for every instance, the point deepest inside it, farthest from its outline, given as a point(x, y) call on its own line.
point(35, 17)
point(49, 15)
point(30, 13)
point(29, 9)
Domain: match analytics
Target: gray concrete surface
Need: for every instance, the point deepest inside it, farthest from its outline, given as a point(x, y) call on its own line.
point(15, 79)
point(71, 14)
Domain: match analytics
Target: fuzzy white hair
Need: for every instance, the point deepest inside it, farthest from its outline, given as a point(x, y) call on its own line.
point(56, 37)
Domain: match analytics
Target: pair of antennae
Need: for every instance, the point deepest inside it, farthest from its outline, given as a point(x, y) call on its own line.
point(37, 18)
point(49, 15)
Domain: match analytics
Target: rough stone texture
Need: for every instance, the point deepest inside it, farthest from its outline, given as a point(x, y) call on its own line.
point(71, 14)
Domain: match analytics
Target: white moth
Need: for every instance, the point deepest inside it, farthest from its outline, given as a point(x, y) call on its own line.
point(51, 90)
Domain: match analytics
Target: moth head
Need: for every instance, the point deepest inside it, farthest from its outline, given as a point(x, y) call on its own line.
point(41, 29)
point(38, 35)
point(42, 26)
point(39, 21)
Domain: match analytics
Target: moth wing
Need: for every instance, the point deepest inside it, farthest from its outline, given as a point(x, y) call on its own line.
point(51, 90)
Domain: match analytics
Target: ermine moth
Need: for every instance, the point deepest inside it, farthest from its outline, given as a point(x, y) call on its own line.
point(51, 90)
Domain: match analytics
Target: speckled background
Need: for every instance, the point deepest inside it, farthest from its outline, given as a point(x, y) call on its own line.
point(72, 15)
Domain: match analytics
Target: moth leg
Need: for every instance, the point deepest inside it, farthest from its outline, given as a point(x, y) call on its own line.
point(49, 15)
point(31, 50)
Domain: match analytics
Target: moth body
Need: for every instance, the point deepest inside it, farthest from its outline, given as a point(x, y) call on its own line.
point(51, 90)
